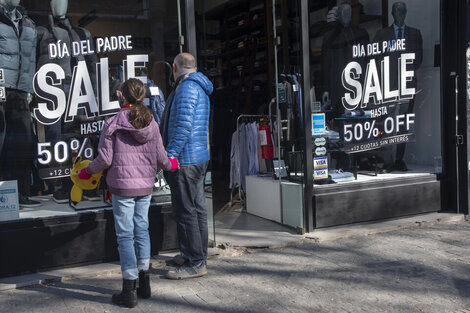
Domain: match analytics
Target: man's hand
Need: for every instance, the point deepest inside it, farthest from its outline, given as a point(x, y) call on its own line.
point(83, 174)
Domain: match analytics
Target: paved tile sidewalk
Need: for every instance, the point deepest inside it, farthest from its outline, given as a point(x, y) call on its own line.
point(423, 269)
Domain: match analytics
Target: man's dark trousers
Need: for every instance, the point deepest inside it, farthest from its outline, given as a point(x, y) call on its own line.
point(189, 211)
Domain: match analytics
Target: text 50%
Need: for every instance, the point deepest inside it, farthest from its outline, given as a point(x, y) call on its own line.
point(61, 151)
point(356, 131)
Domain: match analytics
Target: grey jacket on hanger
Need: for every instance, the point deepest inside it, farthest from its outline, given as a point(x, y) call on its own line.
point(18, 51)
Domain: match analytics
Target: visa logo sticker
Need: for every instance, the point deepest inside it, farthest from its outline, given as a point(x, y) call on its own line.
point(320, 162)
point(320, 173)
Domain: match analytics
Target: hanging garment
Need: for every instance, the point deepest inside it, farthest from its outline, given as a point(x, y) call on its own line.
point(261, 160)
point(266, 143)
point(299, 104)
point(235, 161)
point(252, 138)
point(244, 154)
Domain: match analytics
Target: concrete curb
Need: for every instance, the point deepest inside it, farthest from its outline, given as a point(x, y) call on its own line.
point(372, 228)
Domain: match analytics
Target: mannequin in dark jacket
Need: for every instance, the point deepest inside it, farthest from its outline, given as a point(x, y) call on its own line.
point(18, 60)
point(60, 29)
point(414, 44)
point(337, 53)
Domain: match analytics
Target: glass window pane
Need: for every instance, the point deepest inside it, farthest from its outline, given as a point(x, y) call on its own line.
point(62, 63)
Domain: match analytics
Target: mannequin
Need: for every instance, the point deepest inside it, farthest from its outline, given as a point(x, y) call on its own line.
point(414, 44)
point(337, 53)
point(18, 60)
point(10, 5)
point(60, 28)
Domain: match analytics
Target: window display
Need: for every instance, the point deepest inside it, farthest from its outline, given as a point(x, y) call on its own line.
point(376, 88)
point(61, 65)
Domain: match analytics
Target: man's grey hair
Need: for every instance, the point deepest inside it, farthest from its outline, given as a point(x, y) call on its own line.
point(185, 61)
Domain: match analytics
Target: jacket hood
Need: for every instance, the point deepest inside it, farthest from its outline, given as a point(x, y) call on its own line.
point(202, 81)
point(121, 122)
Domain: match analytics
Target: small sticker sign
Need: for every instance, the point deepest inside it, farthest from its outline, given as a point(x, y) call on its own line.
point(320, 162)
point(320, 151)
point(2, 77)
point(9, 206)
point(263, 137)
point(318, 124)
point(154, 91)
point(320, 173)
point(320, 141)
point(316, 106)
point(3, 96)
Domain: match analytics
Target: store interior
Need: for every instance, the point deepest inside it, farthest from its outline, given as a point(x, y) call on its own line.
point(235, 41)
point(235, 49)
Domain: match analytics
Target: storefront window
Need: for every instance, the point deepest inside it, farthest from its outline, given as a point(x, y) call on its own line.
point(61, 63)
point(376, 89)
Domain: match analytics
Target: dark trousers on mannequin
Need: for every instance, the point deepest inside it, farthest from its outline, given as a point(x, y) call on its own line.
point(393, 155)
point(17, 152)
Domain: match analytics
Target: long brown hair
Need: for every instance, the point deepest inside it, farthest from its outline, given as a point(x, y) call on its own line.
point(134, 91)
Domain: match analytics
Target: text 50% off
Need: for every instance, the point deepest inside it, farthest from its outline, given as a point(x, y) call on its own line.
point(368, 130)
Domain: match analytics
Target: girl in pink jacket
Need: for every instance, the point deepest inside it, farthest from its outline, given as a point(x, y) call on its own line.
point(131, 149)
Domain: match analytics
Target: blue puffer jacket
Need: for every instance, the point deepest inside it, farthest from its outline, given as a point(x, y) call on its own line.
point(188, 122)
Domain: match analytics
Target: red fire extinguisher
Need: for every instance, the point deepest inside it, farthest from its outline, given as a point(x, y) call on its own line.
point(267, 150)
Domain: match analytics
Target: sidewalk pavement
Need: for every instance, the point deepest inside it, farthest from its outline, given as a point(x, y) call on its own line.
point(417, 264)
point(236, 232)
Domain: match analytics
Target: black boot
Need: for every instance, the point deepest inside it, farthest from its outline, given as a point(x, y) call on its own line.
point(128, 296)
point(143, 290)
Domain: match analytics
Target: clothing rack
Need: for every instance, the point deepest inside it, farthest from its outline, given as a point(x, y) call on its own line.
point(239, 118)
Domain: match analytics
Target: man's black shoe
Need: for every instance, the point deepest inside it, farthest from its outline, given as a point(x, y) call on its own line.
point(400, 165)
point(60, 196)
point(25, 202)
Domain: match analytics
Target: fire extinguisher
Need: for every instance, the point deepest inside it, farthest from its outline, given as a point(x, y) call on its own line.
point(267, 150)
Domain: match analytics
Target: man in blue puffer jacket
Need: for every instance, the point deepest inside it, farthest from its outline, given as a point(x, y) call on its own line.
point(185, 127)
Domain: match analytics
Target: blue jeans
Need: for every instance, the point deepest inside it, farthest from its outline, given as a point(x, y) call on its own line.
point(189, 211)
point(132, 224)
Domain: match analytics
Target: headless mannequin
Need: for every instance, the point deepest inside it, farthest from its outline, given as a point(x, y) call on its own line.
point(414, 44)
point(60, 29)
point(10, 5)
point(344, 18)
point(337, 53)
point(17, 151)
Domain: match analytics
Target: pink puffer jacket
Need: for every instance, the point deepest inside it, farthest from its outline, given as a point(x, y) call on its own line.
point(130, 155)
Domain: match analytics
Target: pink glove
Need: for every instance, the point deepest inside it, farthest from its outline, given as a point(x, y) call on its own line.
point(83, 174)
point(174, 163)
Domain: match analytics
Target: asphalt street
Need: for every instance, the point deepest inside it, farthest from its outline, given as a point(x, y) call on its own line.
point(424, 269)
